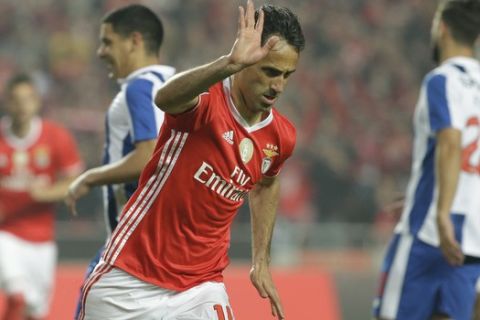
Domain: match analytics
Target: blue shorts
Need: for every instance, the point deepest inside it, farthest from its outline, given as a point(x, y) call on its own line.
point(93, 263)
point(417, 282)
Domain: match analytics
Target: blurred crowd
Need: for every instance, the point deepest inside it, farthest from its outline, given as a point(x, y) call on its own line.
point(351, 98)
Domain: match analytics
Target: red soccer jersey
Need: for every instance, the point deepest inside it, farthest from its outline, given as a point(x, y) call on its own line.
point(175, 230)
point(46, 152)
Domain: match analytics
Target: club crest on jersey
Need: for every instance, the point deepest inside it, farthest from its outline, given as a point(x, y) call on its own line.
point(271, 150)
point(266, 163)
point(246, 150)
point(20, 159)
point(41, 157)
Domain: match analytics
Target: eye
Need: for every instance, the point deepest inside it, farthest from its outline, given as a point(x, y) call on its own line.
point(271, 72)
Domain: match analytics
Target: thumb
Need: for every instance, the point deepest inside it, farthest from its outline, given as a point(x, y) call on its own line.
point(271, 42)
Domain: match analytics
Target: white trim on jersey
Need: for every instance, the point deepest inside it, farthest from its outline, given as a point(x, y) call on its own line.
point(147, 196)
point(25, 142)
point(395, 278)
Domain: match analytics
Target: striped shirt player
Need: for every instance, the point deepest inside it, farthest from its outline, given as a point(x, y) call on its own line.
point(131, 118)
point(174, 232)
point(414, 269)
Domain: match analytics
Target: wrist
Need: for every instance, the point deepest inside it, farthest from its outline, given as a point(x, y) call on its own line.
point(232, 66)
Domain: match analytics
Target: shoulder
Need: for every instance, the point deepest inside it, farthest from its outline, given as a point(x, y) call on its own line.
point(442, 76)
point(53, 126)
point(139, 85)
point(284, 125)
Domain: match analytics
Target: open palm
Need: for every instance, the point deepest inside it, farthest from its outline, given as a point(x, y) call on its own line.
point(247, 49)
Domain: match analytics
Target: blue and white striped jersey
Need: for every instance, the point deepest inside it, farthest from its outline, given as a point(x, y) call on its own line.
point(449, 98)
point(132, 117)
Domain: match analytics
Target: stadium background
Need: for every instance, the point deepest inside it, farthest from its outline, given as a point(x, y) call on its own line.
point(351, 99)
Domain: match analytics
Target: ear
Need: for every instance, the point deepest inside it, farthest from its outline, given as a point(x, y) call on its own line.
point(137, 40)
point(443, 29)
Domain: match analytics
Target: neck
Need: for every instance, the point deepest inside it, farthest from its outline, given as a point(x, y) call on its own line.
point(20, 128)
point(251, 117)
point(452, 49)
point(143, 62)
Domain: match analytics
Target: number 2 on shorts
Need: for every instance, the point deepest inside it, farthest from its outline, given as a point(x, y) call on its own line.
point(221, 314)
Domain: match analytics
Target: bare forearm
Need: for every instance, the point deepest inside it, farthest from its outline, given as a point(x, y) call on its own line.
point(125, 170)
point(447, 163)
point(263, 205)
point(53, 193)
point(179, 91)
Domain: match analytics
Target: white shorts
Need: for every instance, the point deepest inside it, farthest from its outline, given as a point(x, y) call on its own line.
point(28, 268)
point(120, 296)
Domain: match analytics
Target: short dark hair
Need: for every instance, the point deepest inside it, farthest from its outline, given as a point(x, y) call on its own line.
point(17, 79)
point(282, 22)
point(463, 20)
point(137, 18)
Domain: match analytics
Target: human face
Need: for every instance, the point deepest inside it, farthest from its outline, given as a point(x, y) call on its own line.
point(115, 51)
point(258, 87)
point(23, 103)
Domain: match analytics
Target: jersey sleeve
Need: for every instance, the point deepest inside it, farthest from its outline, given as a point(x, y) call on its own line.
point(139, 98)
point(67, 157)
point(206, 109)
point(443, 109)
point(286, 150)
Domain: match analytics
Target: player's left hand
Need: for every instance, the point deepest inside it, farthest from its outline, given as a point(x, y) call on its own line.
point(77, 189)
point(450, 247)
point(262, 280)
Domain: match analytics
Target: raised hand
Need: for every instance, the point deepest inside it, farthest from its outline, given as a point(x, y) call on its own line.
point(247, 49)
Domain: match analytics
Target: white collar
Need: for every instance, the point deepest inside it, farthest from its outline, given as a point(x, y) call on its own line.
point(25, 142)
point(166, 71)
point(238, 117)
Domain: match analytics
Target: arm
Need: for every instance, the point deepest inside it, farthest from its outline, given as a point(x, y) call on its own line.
point(125, 170)
point(180, 93)
point(263, 205)
point(54, 192)
point(447, 171)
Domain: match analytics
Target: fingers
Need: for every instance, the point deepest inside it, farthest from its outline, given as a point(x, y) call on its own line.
point(250, 16)
point(70, 202)
point(453, 254)
point(260, 289)
point(259, 24)
point(277, 309)
point(241, 18)
point(271, 42)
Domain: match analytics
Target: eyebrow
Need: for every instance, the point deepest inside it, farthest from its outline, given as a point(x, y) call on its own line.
point(269, 68)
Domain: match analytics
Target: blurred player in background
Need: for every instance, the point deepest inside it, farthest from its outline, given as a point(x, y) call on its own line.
point(130, 40)
point(221, 140)
point(433, 260)
point(38, 160)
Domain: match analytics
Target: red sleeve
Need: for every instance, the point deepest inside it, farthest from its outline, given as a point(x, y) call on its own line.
point(202, 113)
point(67, 158)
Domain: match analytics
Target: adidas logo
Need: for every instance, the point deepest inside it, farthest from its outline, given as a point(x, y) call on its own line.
point(228, 136)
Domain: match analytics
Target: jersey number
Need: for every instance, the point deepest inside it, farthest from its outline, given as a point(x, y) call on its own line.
point(221, 314)
point(468, 153)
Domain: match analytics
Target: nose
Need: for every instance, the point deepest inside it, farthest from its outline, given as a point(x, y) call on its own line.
point(101, 51)
point(278, 84)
